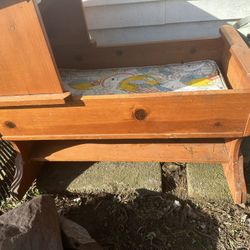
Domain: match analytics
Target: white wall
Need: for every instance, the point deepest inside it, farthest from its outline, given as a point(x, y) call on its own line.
point(128, 21)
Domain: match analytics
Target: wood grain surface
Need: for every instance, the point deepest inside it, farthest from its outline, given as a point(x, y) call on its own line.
point(26, 65)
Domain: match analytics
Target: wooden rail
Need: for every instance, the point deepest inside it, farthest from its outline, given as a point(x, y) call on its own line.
point(152, 151)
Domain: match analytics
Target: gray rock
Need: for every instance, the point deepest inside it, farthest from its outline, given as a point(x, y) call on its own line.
point(32, 226)
point(76, 237)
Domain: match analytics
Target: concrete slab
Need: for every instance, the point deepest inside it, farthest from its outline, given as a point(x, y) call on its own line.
point(207, 182)
point(100, 177)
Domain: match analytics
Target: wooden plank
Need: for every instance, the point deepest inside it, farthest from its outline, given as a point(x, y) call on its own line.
point(131, 55)
point(235, 59)
point(231, 36)
point(33, 100)
point(83, 136)
point(26, 65)
point(207, 114)
point(130, 151)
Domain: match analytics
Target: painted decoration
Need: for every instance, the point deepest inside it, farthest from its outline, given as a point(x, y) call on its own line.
point(194, 76)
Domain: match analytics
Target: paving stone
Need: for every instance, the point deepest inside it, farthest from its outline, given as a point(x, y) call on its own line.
point(207, 182)
point(100, 177)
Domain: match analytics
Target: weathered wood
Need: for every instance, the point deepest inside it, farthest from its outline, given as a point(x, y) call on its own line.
point(234, 171)
point(26, 65)
point(124, 150)
point(218, 114)
point(33, 100)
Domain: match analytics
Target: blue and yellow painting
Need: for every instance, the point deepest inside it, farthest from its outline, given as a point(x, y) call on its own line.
point(194, 76)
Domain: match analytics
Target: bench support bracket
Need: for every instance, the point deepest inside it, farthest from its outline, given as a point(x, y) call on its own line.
point(234, 171)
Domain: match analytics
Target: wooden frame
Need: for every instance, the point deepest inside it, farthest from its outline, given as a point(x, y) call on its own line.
point(47, 124)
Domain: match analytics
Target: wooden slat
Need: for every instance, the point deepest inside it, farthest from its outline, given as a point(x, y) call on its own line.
point(235, 59)
point(130, 151)
point(33, 100)
point(137, 54)
point(231, 36)
point(169, 115)
point(26, 65)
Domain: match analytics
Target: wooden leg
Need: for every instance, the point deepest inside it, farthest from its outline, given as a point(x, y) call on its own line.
point(234, 171)
point(26, 170)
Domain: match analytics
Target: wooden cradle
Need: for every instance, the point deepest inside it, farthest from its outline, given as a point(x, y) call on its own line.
point(45, 123)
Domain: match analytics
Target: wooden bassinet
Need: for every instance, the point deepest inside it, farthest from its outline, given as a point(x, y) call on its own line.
point(50, 112)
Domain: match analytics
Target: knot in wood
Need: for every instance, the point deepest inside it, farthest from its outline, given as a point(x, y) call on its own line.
point(140, 114)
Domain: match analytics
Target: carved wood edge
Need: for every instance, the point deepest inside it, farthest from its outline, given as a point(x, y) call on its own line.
point(234, 171)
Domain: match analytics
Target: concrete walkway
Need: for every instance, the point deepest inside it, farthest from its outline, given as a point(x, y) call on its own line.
point(100, 177)
point(207, 182)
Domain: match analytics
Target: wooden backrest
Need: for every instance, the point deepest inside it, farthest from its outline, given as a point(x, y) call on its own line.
point(26, 62)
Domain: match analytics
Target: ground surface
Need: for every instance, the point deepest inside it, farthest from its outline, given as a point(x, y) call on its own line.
point(153, 220)
point(143, 219)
